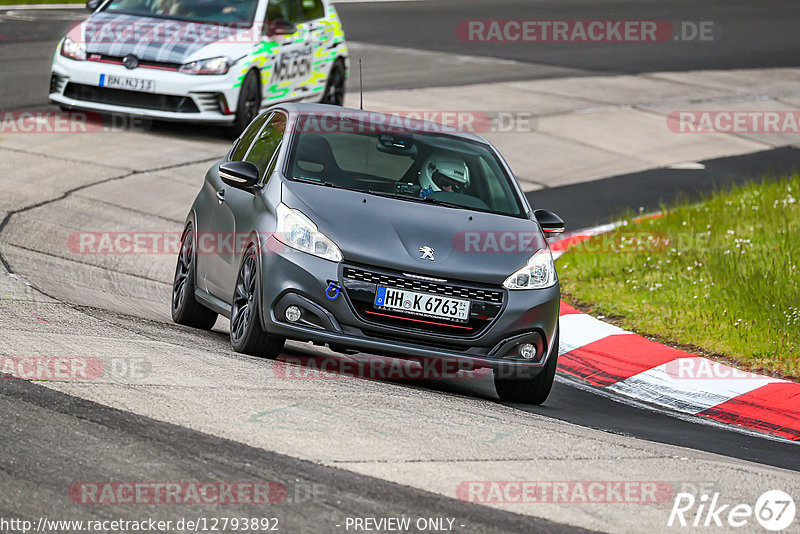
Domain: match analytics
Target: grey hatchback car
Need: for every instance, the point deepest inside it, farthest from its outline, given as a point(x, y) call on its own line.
point(373, 233)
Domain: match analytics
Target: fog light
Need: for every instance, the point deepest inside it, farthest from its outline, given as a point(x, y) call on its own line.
point(526, 350)
point(292, 313)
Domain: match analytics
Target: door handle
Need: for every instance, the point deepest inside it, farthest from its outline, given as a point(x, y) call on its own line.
point(221, 196)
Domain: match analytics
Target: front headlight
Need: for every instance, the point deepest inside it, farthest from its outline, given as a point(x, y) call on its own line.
point(539, 273)
point(297, 231)
point(215, 65)
point(73, 50)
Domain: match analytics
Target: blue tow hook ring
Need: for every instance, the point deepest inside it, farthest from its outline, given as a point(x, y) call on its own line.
point(335, 289)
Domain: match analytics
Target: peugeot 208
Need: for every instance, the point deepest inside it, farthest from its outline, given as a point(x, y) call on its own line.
point(373, 233)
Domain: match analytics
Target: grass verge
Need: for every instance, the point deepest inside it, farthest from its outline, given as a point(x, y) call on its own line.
point(720, 277)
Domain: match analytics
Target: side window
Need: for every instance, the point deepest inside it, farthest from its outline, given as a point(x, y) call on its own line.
point(272, 164)
point(288, 10)
point(246, 139)
point(266, 144)
point(500, 193)
point(312, 9)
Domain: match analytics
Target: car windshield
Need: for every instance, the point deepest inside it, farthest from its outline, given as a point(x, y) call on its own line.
point(408, 165)
point(211, 11)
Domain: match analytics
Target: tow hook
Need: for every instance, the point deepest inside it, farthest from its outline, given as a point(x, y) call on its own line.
point(333, 290)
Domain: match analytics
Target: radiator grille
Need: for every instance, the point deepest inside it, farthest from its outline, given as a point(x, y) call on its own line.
point(131, 99)
point(439, 288)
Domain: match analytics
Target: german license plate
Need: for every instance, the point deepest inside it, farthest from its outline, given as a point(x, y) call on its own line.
point(425, 304)
point(130, 84)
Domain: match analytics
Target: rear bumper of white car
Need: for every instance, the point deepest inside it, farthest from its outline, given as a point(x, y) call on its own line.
point(177, 96)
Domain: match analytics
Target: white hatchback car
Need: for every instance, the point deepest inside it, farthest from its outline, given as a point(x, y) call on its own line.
point(209, 61)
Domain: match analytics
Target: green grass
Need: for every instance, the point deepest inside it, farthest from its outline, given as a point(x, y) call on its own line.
point(28, 2)
point(721, 277)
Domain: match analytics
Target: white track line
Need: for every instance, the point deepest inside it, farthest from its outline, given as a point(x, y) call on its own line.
point(578, 330)
point(621, 398)
point(659, 385)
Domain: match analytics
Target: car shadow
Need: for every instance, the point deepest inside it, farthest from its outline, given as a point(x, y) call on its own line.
point(305, 361)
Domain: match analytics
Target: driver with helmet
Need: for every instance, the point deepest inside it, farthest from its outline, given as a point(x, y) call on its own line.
point(444, 173)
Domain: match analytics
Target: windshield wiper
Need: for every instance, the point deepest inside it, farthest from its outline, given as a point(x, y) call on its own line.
point(398, 196)
point(316, 182)
point(429, 200)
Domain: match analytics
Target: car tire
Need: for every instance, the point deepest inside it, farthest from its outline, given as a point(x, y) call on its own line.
point(185, 308)
point(247, 335)
point(334, 88)
point(249, 103)
point(530, 390)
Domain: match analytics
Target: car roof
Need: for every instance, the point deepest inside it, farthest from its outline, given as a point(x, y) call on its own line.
point(295, 109)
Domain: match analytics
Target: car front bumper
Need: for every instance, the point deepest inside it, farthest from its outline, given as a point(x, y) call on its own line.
point(178, 96)
point(291, 277)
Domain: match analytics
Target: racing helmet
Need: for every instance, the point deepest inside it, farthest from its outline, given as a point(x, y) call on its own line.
point(444, 173)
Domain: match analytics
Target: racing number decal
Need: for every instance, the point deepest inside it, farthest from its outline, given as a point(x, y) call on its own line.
point(292, 64)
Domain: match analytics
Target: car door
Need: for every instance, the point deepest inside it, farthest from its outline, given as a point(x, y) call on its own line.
point(291, 63)
point(320, 34)
point(210, 224)
point(234, 218)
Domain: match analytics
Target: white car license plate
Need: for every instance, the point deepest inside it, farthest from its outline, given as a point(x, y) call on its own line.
point(130, 84)
point(424, 304)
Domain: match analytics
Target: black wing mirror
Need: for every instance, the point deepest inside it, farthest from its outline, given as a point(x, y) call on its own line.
point(91, 5)
point(551, 223)
point(239, 174)
point(281, 27)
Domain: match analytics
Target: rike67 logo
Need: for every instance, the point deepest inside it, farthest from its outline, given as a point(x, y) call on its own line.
point(774, 510)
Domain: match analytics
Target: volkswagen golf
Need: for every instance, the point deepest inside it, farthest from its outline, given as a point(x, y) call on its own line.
point(373, 233)
point(204, 61)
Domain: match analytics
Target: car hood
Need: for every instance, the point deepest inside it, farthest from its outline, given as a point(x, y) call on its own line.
point(386, 232)
point(155, 39)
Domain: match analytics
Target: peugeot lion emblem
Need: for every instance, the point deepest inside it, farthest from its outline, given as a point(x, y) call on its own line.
point(427, 253)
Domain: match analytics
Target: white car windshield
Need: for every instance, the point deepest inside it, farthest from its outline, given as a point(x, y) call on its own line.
point(211, 11)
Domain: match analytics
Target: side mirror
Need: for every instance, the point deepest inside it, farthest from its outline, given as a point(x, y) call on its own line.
point(281, 27)
point(91, 5)
point(239, 174)
point(551, 223)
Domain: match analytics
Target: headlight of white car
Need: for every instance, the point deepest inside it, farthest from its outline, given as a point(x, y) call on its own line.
point(297, 231)
point(73, 50)
point(215, 65)
point(538, 273)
